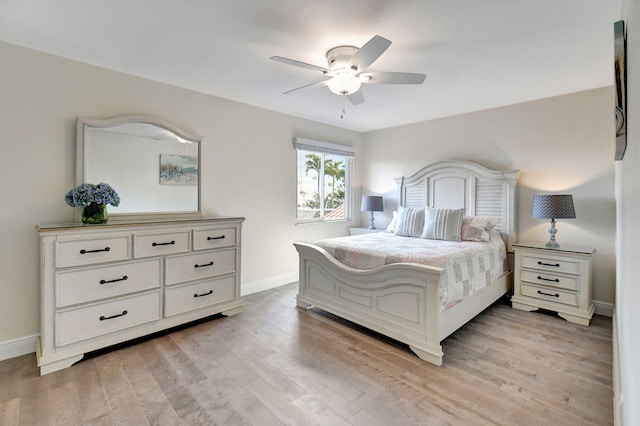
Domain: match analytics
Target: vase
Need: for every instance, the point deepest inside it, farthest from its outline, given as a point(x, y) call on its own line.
point(95, 213)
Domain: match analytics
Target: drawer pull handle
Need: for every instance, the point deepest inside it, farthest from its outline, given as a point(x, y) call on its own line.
point(202, 266)
point(556, 265)
point(83, 251)
point(215, 238)
point(548, 279)
point(163, 244)
point(114, 281)
point(203, 294)
point(548, 294)
point(103, 318)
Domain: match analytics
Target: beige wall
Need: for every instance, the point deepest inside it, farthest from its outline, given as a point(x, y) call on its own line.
point(248, 164)
point(561, 144)
point(627, 315)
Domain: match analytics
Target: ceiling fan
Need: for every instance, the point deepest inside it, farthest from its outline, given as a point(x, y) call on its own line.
point(347, 66)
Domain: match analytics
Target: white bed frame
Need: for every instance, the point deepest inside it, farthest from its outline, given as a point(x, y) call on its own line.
point(401, 300)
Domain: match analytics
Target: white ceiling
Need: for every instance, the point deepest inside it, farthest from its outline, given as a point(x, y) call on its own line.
point(476, 54)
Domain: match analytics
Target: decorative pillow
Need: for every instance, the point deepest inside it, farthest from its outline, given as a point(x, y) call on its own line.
point(410, 223)
point(394, 221)
point(443, 224)
point(477, 228)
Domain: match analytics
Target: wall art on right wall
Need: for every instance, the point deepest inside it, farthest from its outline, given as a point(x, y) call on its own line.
point(620, 88)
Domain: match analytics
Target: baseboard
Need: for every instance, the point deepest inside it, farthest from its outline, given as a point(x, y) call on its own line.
point(17, 347)
point(603, 308)
point(268, 283)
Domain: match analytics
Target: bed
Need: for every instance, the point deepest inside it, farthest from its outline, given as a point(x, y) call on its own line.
point(402, 300)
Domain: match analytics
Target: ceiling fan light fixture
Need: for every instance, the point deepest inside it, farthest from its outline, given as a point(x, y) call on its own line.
point(344, 83)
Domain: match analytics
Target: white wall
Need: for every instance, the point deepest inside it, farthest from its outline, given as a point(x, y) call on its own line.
point(248, 166)
point(561, 144)
point(628, 235)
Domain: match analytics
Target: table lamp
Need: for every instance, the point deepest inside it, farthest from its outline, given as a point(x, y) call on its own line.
point(371, 203)
point(553, 207)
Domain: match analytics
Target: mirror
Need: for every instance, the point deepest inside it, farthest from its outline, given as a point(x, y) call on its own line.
point(153, 165)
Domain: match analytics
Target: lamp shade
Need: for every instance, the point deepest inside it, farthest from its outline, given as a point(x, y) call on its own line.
point(553, 207)
point(371, 203)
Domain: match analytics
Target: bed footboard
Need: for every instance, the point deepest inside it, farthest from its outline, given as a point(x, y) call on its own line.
point(400, 301)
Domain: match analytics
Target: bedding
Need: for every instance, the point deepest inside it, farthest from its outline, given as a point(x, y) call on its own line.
point(410, 222)
point(468, 266)
point(477, 228)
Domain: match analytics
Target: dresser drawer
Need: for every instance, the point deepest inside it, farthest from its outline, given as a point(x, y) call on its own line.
point(160, 244)
point(204, 239)
point(549, 294)
point(553, 264)
point(79, 286)
point(98, 319)
point(89, 251)
point(179, 299)
point(197, 266)
point(548, 279)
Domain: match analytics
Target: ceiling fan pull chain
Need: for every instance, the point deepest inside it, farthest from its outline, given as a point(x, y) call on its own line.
point(344, 96)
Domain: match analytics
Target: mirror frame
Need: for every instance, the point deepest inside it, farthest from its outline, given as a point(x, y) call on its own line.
point(81, 165)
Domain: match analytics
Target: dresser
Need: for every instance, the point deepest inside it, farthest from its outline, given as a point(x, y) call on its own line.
point(106, 284)
point(556, 279)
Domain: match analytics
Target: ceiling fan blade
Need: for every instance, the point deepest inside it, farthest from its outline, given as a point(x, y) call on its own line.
point(299, 64)
point(368, 53)
point(356, 98)
point(392, 78)
point(320, 83)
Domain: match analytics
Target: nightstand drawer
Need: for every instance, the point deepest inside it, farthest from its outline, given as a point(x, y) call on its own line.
point(554, 264)
point(551, 280)
point(551, 295)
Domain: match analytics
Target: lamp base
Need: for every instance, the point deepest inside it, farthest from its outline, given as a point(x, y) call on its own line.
point(552, 235)
point(371, 226)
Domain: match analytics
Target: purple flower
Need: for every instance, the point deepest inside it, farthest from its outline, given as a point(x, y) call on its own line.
point(88, 193)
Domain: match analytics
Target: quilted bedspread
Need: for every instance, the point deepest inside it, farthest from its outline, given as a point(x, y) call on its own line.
point(468, 266)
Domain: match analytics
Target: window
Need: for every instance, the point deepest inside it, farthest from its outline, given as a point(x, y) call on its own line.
point(323, 189)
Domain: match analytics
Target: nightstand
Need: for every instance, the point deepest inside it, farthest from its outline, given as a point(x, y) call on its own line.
point(363, 230)
point(556, 279)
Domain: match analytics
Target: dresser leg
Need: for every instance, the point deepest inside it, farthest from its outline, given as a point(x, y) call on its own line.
point(233, 311)
point(50, 367)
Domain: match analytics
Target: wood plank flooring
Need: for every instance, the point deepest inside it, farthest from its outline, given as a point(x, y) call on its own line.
point(275, 364)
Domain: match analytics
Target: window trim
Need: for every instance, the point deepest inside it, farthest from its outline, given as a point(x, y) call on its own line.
point(304, 144)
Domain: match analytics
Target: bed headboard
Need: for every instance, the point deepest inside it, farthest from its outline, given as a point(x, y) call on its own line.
point(464, 184)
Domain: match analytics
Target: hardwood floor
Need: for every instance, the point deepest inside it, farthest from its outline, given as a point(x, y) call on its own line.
point(276, 364)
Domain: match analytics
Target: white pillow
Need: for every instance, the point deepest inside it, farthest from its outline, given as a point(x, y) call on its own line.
point(411, 222)
point(476, 228)
point(394, 221)
point(443, 224)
